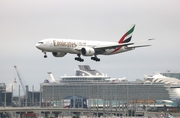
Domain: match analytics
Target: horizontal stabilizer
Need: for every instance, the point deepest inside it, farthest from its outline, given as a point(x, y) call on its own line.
point(151, 39)
point(140, 41)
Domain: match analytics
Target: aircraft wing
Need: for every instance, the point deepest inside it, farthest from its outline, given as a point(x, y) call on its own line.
point(111, 46)
point(122, 44)
point(138, 46)
point(101, 49)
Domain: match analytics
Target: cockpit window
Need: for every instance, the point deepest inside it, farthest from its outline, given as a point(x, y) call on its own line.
point(40, 42)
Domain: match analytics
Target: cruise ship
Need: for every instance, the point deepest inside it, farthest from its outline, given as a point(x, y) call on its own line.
point(91, 84)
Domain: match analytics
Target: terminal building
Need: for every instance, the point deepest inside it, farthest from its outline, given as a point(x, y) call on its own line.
point(93, 85)
point(30, 98)
point(5, 97)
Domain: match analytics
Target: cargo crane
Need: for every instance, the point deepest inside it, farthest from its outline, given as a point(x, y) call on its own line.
point(21, 82)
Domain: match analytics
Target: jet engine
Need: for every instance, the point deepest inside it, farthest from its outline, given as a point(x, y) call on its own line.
point(59, 54)
point(87, 51)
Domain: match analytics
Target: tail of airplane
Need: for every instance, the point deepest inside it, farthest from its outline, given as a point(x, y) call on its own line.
point(127, 36)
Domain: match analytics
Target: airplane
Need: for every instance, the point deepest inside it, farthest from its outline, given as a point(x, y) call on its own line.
point(60, 47)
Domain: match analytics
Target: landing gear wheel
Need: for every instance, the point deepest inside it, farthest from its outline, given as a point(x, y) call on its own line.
point(79, 59)
point(45, 56)
point(95, 59)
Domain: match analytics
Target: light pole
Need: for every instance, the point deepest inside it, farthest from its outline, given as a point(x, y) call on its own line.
point(5, 97)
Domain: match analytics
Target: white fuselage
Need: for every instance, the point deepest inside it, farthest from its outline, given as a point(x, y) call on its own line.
point(73, 46)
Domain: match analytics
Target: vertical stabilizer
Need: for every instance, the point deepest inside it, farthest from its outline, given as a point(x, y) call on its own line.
point(127, 36)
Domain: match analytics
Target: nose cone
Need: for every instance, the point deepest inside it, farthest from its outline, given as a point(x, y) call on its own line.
point(38, 46)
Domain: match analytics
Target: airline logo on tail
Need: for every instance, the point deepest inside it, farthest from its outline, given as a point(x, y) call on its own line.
point(125, 38)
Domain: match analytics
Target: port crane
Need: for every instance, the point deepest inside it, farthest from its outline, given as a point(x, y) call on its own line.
point(20, 79)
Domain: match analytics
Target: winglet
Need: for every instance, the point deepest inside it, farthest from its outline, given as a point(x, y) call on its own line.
point(127, 36)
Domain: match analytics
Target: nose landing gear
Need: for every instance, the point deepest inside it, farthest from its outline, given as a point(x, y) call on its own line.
point(45, 56)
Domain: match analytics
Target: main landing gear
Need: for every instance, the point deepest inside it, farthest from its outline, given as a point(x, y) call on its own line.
point(95, 58)
point(79, 58)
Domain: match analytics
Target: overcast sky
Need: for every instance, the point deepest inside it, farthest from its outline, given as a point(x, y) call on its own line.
point(24, 23)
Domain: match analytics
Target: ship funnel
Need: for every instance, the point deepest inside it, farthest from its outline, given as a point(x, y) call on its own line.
point(51, 78)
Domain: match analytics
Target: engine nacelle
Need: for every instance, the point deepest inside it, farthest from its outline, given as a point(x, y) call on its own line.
point(59, 54)
point(87, 51)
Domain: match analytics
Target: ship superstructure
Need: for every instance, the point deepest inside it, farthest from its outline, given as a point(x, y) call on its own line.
point(84, 74)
